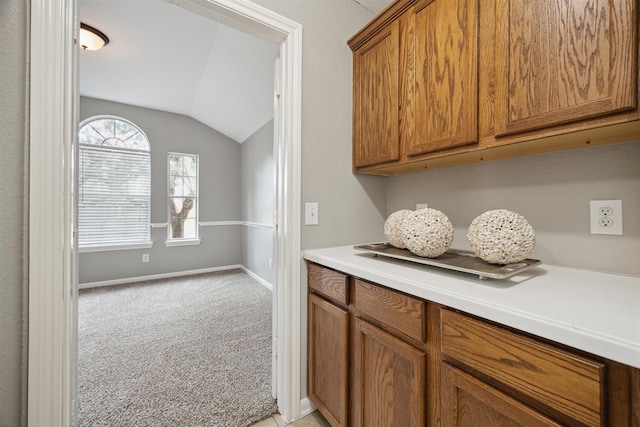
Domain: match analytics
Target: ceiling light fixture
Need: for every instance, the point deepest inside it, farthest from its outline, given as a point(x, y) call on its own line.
point(91, 38)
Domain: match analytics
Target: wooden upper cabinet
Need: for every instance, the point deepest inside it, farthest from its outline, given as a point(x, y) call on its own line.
point(375, 99)
point(445, 75)
point(561, 61)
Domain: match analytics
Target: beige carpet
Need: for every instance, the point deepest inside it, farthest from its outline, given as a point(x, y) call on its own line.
point(192, 351)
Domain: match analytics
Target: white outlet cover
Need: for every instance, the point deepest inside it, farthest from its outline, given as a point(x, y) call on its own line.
point(606, 224)
point(422, 206)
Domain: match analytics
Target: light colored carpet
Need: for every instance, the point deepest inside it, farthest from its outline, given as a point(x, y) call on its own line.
point(192, 351)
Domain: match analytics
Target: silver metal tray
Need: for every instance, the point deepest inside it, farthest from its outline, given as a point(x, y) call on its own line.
point(454, 259)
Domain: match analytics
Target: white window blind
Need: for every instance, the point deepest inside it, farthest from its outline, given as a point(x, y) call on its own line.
point(114, 184)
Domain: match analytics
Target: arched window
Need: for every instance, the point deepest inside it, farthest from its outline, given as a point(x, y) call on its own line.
point(114, 183)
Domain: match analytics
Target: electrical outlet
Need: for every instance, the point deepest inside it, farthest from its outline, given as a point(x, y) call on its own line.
point(145, 257)
point(606, 217)
point(422, 206)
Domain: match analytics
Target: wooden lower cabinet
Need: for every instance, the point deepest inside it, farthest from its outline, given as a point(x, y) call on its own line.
point(562, 382)
point(390, 380)
point(387, 359)
point(328, 379)
point(469, 402)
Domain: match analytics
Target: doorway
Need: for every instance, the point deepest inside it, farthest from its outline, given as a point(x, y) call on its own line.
point(52, 254)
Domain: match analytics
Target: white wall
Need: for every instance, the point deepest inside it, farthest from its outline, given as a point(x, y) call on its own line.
point(552, 191)
point(13, 214)
point(257, 190)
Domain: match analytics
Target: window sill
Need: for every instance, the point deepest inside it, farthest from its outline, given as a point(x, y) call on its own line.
point(115, 247)
point(183, 242)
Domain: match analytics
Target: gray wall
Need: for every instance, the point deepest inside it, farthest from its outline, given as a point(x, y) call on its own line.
point(219, 196)
point(551, 191)
point(352, 208)
point(257, 191)
point(13, 214)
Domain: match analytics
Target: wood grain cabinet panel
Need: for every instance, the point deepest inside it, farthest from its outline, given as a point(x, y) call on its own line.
point(403, 313)
point(375, 99)
point(445, 36)
point(329, 283)
point(328, 379)
point(468, 402)
point(439, 83)
point(561, 61)
point(390, 375)
point(370, 364)
point(567, 383)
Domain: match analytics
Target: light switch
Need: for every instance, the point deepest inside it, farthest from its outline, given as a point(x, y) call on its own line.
point(310, 214)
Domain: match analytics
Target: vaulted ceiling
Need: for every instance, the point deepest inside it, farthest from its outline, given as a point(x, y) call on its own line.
point(165, 57)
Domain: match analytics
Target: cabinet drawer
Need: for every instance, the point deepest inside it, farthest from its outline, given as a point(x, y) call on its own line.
point(401, 312)
point(328, 283)
point(567, 383)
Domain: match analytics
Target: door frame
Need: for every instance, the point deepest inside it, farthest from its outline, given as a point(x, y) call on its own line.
point(53, 122)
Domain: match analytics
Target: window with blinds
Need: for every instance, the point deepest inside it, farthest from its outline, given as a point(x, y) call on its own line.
point(114, 183)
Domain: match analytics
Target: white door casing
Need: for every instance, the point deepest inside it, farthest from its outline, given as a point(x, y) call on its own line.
point(53, 125)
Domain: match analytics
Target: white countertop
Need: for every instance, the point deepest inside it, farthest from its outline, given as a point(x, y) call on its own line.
point(595, 312)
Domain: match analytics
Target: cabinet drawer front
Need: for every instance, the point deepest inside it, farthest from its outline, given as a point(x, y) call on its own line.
point(328, 282)
point(567, 383)
point(401, 312)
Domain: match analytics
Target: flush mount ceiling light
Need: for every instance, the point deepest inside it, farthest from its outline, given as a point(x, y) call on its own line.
point(91, 38)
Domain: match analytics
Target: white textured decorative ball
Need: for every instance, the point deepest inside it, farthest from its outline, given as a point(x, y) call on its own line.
point(501, 237)
point(427, 233)
point(393, 227)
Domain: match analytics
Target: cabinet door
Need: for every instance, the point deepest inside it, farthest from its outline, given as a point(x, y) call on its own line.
point(565, 382)
point(561, 61)
point(375, 99)
point(328, 359)
point(390, 375)
point(445, 35)
point(468, 402)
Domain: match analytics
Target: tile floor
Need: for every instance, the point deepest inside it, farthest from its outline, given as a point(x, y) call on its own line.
point(312, 420)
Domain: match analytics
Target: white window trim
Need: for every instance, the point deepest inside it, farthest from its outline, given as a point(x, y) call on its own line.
point(115, 247)
point(183, 241)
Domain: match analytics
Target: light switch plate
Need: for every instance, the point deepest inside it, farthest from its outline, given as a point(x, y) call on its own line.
point(606, 217)
point(311, 214)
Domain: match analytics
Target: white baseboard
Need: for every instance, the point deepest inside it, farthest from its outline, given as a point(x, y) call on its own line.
point(257, 278)
point(306, 407)
point(158, 276)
